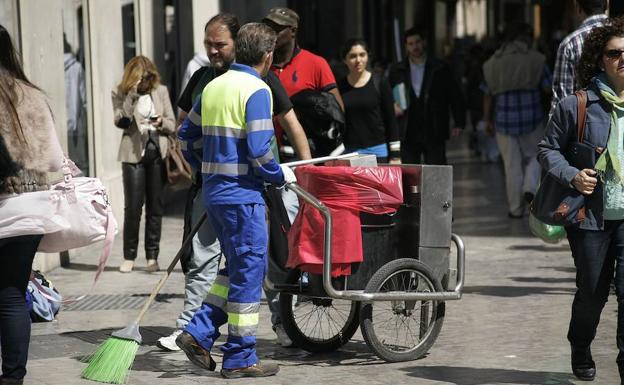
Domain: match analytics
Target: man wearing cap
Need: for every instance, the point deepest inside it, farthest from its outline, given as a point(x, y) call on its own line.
point(298, 69)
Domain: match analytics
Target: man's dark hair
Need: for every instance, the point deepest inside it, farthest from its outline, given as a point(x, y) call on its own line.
point(518, 31)
point(253, 41)
point(228, 20)
point(413, 32)
point(592, 7)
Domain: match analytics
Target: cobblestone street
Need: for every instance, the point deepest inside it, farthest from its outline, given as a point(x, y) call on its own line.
point(509, 328)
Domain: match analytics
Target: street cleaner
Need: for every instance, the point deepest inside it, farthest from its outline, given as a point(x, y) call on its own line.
point(232, 122)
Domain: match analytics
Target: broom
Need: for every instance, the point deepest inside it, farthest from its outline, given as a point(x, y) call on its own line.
point(113, 359)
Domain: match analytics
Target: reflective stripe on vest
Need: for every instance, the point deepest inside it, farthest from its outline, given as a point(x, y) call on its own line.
point(229, 132)
point(266, 158)
point(225, 168)
point(195, 118)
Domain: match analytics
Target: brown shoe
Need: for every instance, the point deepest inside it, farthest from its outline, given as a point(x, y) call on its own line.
point(257, 370)
point(195, 353)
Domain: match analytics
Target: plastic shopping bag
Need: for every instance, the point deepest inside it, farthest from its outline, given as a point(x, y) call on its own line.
point(547, 233)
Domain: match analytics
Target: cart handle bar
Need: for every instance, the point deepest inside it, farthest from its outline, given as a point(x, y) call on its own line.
point(319, 160)
point(360, 295)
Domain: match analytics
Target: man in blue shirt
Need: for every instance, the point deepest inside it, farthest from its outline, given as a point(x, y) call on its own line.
point(232, 119)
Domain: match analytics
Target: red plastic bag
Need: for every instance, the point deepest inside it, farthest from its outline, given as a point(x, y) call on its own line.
point(345, 191)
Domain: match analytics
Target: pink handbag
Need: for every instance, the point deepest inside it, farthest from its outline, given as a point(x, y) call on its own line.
point(82, 202)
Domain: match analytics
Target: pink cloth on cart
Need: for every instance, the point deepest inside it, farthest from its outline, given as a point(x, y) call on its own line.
point(346, 191)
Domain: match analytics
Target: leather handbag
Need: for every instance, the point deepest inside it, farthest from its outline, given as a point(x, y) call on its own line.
point(83, 204)
point(555, 203)
point(177, 168)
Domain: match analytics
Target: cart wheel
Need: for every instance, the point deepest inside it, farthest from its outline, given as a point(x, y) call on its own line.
point(317, 324)
point(402, 330)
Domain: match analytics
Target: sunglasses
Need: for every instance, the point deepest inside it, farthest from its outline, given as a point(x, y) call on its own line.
point(614, 53)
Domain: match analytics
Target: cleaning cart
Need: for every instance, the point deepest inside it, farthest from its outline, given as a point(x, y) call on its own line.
point(396, 294)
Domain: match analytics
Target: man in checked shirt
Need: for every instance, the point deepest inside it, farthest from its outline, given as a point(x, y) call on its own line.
point(592, 14)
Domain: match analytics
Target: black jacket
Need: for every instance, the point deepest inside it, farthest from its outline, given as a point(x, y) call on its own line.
point(442, 96)
point(322, 119)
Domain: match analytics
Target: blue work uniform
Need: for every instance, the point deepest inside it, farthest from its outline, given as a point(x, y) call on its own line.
point(231, 121)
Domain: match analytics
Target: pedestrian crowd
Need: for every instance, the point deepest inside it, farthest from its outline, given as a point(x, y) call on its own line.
point(252, 101)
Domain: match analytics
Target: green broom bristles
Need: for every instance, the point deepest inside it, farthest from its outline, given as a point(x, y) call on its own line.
point(112, 361)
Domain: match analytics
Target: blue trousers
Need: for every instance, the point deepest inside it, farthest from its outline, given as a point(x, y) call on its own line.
point(235, 296)
point(597, 254)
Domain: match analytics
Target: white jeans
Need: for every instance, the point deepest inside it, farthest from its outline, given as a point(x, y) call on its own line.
point(522, 171)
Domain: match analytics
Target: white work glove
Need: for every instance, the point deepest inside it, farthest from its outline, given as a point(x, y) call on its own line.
point(289, 175)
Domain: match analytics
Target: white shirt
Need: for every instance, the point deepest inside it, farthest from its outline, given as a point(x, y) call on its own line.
point(417, 73)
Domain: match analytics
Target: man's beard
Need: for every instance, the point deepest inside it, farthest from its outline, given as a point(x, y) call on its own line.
point(281, 53)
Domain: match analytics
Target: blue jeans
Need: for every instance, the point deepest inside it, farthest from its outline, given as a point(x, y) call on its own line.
point(597, 255)
point(16, 257)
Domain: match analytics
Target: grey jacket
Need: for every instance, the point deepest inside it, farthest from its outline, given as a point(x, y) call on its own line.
point(561, 132)
point(513, 67)
point(132, 142)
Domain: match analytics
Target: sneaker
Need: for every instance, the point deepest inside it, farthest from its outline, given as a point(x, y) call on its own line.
point(126, 266)
point(152, 266)
point(168, 343)
point(257, 370)
point(195, 353)
point(282, 337)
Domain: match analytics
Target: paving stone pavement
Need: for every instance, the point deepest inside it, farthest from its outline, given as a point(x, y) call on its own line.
point(509, 328)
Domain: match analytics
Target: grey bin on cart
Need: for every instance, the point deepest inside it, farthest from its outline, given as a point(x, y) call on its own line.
point(420, 229)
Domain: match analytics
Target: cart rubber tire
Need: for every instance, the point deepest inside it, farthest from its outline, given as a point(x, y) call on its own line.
point(305, 342)
point(431, 329)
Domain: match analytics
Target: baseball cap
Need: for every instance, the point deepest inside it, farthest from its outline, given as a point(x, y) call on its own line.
point(283, 16)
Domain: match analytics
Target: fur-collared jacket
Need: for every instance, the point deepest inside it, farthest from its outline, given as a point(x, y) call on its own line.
point(35, 150)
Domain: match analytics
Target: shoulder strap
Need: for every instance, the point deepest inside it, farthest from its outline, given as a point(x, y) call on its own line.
point(376, 83)
point(581, 113)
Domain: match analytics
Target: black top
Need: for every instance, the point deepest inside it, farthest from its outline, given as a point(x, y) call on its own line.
point(204, 75)
point(369, 113)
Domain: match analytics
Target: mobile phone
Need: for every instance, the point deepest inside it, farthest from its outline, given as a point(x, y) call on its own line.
point(154, 117)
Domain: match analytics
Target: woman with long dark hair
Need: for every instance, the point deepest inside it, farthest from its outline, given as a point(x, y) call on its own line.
point(597, 243)
point(29, 149)
point(371, 127)
point(142, 108)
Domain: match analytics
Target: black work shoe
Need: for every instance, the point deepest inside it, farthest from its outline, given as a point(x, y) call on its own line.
point(257, 370)
point(195, 353)
point(583, 365)
point(584, 373)
point(10, 381)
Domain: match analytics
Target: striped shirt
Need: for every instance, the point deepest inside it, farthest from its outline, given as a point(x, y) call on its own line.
point(231, 121)
point(568, 56)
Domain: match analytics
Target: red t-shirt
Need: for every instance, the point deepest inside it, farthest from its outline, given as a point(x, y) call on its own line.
point(305, 71)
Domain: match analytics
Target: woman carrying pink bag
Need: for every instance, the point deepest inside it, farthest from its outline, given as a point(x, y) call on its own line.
point(29, 149)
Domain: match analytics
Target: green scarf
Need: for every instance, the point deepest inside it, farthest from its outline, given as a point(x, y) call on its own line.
point(609, 156)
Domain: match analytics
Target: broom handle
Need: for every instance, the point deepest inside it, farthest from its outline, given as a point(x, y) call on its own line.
point(172, 265)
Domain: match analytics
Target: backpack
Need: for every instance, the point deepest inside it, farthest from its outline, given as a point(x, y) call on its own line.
point(42, 299)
